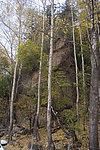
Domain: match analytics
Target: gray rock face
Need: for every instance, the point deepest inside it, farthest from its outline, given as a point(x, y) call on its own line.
point(57, 57)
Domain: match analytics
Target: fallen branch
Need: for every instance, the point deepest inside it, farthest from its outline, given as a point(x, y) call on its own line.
point(68, 135)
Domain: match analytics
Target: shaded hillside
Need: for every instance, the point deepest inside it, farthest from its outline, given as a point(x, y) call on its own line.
point(63, 94)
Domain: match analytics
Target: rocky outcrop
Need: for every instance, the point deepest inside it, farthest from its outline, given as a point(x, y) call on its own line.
point(62, 61)
point(62, 54)
point(35, 79)
point(26, 80)
point(29, 81)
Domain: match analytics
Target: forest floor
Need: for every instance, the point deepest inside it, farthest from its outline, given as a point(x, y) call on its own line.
point(21, 142)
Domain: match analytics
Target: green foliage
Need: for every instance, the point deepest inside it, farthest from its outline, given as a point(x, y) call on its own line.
point(64, 102)
point(59, 86)
point(29, 54)
point(70, 121)
point(60, 78)
point(4, 86)
point(44, 93)
point(70, 118)
point(4, 96)
point(2, 109)
point(78, 128)
point(69, 115)
point(83, 90)
point(4, 62)
point(63, 23)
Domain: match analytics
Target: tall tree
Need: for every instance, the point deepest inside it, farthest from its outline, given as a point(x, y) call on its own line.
point(94, 96)
point(11, 102)
point(83, 67)
point(39, 79)
point(50, 144)
point(19, 10)
point(76, 66)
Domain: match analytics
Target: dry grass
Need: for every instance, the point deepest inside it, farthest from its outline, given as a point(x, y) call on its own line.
point(21, 141)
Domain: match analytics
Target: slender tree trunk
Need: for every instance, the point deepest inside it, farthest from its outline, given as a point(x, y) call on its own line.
point(83, 69)
point(87, 26)
point(94, 95)
point(39, 81)
point(50, 144)
point(98, 18)
point(14, 83)
point(19, 75)
point(83, 77)
point(11, 102)
point(76, 67)
point(16, 90)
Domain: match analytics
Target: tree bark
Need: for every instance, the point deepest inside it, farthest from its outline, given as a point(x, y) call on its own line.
point(14, 78)
point(50, 144)
point(94, 95)
point(93, 117)
point(19, 75)
point(11, 102)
